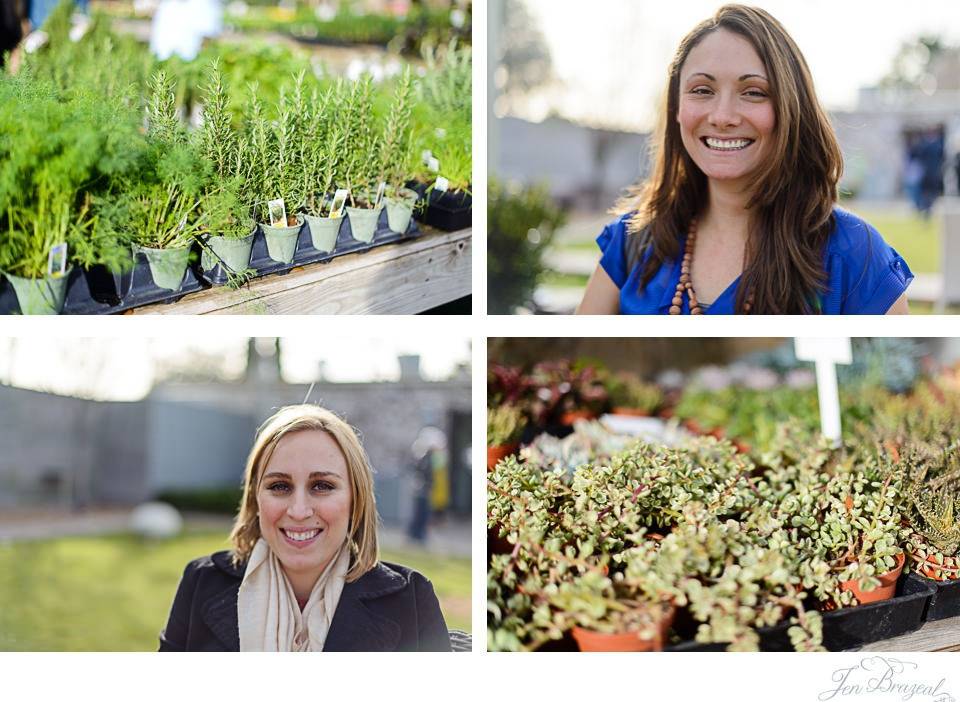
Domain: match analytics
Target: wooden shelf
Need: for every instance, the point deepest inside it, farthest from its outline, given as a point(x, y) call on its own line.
point(941, 635)
point(404, 278)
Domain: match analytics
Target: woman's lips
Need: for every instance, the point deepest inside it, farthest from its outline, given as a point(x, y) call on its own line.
point(301, 538)
point(726, 144)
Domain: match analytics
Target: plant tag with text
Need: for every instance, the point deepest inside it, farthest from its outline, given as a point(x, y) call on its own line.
point(442, 184)
point(278, 213)
point(425, 156)
point(57, 262)
point(339, 202)
point(434, 164)
point(380, 190)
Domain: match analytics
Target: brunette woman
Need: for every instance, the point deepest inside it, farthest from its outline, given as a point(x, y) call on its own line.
point(740, 213)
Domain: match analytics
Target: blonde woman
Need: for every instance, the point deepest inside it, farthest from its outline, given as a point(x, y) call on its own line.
point(739, 215)
point(304, 572)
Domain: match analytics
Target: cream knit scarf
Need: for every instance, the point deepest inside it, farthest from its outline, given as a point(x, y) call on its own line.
point(268, 615)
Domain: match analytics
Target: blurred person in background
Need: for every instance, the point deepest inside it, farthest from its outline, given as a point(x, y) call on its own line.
point(180, 26)
point(12, 20)
point(739, 215)
point(41, 9)
point(427, 450)
point(304, 573)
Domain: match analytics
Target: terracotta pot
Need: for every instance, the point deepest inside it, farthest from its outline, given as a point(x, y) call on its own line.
point(928, 567)
point(568, 418)
point(630, 412)
point(496, 453)
point(742, 446)
point(589, 640)
point(888, 584)
point(692, 425)
point(666, 413)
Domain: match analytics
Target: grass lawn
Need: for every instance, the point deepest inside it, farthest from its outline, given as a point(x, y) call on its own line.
point(914, 238)
point(114, 593)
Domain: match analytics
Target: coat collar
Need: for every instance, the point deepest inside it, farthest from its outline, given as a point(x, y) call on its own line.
point(355, 626)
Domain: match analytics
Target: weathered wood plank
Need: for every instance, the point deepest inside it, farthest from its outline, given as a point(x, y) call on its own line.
point(941, 635)
point(393, 279)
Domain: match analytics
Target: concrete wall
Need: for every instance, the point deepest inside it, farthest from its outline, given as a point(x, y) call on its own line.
point(588, 167)
point(60, 450)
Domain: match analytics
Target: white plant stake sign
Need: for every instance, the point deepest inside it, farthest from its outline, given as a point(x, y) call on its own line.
point(826, 353)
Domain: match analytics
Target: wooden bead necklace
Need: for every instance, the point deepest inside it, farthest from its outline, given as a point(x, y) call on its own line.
point(686, 282)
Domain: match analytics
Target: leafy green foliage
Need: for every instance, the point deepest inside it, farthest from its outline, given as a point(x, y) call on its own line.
point(520, 227)
point(58, 155)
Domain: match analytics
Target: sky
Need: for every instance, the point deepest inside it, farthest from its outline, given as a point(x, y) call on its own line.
point(125, 368)
point(613, 54)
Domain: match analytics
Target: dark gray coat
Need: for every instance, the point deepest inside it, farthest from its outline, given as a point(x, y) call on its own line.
point(390, 608)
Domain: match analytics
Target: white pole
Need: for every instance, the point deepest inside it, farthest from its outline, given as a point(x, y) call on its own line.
point(829, 400)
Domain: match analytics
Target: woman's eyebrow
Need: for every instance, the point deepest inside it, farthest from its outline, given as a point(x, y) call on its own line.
point(314, 474)
point(742, 78)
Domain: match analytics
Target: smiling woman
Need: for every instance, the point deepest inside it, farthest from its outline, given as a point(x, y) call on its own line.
point(304, 573)
point(740, 215)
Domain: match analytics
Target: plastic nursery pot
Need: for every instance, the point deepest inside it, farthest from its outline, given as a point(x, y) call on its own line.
point(40, 295)
point(167, 266)
point(928, 567)
point(282, 241)
point(589, 640)
point(568, 418)
point(888, 584)
point(400, 210)
point(630, 412)
point(497, 453)
point(233, 252)
point(363, 222)
point(324, 232)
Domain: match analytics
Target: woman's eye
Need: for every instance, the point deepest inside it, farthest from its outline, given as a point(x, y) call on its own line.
point(700, 91)
point(755, 94)
point(323, 486)
point(278, 487)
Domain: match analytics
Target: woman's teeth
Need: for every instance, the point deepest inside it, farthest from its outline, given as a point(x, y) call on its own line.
point(301, 535)
point(727, 144)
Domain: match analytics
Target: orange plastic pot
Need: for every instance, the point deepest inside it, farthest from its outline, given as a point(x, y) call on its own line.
point(888, 584)
point(568, 418)
point(595, 641)
point(929, 568)
point(497, 453)
point(630, 412)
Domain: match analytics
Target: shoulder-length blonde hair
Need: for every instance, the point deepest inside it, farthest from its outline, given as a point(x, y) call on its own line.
point(362, 534)
point(792, 193)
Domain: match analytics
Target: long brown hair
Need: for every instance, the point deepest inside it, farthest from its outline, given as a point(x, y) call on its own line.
point(362, 534)
point(792, 193)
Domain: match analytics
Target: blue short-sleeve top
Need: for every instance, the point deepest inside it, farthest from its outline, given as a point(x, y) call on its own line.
point(865, 275)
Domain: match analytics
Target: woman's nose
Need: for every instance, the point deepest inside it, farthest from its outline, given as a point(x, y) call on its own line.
point(300, 507)
point(724, 112)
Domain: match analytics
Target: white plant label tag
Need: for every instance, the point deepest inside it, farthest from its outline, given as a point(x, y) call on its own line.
point(440, 132)
point(57, 261)
point(183, 223)
point(442, 184)
point(825, 354)
point(380, 190)
point(339, 202)
point(425, 156)
point(434, 164)
point(278, 213)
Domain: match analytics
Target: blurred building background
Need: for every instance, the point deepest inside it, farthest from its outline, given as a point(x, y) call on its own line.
point(574, 96)
point(192, 431)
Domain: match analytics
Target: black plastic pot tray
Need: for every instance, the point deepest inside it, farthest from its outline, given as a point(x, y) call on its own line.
point(306, 254)
point(851, 627)
point(945, 602)
point(448, 211)
point(100, 292)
